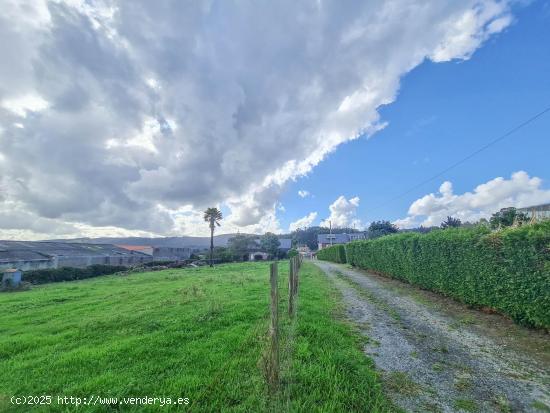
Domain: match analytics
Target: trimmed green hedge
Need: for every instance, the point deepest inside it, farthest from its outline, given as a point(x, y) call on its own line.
point(336, 253)
point(508, 270)
point(50, 275)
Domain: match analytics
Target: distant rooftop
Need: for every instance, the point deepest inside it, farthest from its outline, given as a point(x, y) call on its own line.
point(43, 250)
point(541, 207)
point(339, 238)
point(135, 247)
point(285, 243)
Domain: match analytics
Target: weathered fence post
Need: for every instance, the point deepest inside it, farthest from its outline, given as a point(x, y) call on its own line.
point(290, 288)
point(298, 266)
point(297, 280)
point(293, 280)
point(274, 330)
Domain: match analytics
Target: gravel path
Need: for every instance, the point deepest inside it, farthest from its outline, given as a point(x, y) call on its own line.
point(437, 355)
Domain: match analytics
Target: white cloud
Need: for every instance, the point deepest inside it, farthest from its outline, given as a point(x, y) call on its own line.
point(23, 104)
point(464, 35)
point(303, 222)
point(518, 191)
point(121, 124)
point(302, 193)
point(190, 222)
point(343, 213)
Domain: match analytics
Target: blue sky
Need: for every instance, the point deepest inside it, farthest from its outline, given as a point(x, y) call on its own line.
point(131, 117)
point(445, 111)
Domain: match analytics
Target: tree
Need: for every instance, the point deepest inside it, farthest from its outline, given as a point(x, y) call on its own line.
point(223, 254)
point(308, 236)
point(240, 245)
point(451, 222)
point(507, 217)
point(213, 216)
point(422, 229)
point(270, 243)
point(292, 253)
point(381, 228)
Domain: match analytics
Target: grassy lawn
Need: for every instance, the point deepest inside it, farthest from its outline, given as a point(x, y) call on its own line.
point(195, 333)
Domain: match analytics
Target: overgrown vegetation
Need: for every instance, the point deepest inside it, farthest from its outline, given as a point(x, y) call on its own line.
point(196, 333)
point(269, 242)
point(335, 253)
point(507, 217)
point(49, 275)
point(380, 228)
point(292, 253)
point(507, 270)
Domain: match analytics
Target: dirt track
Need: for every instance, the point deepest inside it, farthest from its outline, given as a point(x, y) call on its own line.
point(437, 355)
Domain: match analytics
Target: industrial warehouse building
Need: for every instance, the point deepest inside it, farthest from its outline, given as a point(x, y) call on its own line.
point(32, 255)
point(536, 211)
point(160, 253)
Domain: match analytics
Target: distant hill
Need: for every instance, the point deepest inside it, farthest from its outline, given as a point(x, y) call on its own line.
point(192, 242)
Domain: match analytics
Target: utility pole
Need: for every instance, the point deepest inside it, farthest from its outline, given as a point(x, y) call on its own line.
point(330, 231)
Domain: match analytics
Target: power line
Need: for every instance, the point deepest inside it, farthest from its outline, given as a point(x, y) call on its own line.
point(466, 158)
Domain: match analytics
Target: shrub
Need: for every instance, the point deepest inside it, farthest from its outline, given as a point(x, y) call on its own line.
point(292, 253)
point(507, 217)
point(508, 270)
point(336, 253)
point(381, 228)
point(49, 275)
point(23, 286)
point(157, 263)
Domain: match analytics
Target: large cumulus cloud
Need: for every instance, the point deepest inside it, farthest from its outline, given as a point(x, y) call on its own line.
point(519, 191)
point(130, 114)
point(343, 213)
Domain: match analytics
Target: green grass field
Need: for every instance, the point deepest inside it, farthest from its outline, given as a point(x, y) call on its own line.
point(195, 333)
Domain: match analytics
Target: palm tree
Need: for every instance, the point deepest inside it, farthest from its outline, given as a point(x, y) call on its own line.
point(451, 222)
point(213, 216)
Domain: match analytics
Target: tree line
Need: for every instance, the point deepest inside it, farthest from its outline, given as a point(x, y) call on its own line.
point(240, 246)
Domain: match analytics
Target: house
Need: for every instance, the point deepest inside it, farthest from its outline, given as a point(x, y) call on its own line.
point(258, 256)
point(33, 255)
point(304, 251)
point(326, 240)
point(285, 244)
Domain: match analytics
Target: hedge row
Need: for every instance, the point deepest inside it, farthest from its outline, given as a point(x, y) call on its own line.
point(508, 270)
point(49, 275)
point(336, 253)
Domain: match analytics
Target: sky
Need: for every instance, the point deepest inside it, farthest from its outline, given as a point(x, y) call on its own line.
point(122, 118)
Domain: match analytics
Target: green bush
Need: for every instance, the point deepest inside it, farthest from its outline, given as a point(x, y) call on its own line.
point(508, 270)
point(336, 253)
point(292, 253)
point(50, 275)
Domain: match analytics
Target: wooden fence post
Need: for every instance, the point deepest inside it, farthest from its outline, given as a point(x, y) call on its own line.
point(296, 271)
point(274, 330)
point(290, 288)
point(293, 280)
point(297, 280)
